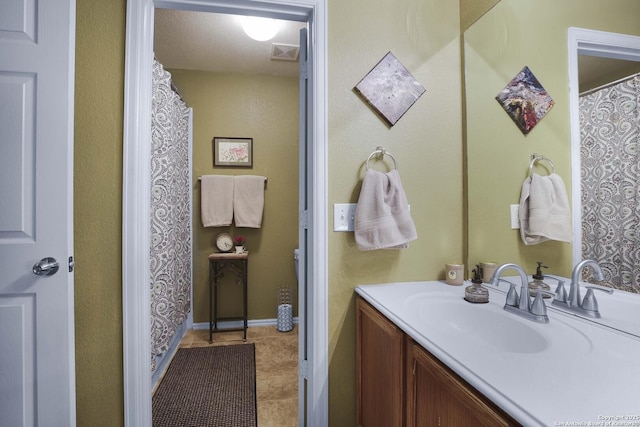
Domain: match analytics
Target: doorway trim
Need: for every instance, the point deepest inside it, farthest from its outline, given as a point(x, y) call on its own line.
point(136, 196)
point(603, 44)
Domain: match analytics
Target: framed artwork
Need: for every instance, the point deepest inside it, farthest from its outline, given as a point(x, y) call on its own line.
point(232, 152)
point(390, 89)
point(525, 100)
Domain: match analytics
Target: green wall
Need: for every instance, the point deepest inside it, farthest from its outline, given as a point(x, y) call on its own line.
point(100, 36)
point(472, 10)
point(264, 108)
point(424, 35)
point(426, 142)
point(511, 35)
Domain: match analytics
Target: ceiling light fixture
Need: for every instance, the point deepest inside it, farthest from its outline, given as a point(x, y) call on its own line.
point(260, 29)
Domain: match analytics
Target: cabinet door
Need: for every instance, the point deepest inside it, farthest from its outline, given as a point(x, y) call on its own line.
point(436, 396)
point(380, 373)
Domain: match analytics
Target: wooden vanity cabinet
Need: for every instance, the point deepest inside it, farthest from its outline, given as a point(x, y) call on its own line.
point(437, 396)
point(399, 383)
point(380, 369)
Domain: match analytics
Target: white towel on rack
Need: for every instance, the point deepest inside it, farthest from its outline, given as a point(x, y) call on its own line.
point(382, 218)
point(544, 210)
point(248, 200)
point(216, 200)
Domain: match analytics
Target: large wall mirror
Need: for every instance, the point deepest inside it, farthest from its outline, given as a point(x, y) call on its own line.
point(511, 35)
point(604, 83)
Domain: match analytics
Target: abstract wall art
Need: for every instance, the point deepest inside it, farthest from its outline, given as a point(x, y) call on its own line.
point(525, 100)
point(390, 89)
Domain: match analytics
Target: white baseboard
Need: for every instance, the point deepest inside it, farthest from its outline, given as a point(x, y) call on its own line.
point(238, 323)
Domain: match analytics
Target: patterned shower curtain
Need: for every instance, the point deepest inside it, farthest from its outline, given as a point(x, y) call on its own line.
point(170, 213)
point(609, 121)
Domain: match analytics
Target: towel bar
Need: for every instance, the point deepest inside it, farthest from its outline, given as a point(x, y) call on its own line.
point(537, 158)
point(380, 153)
point(265, 180)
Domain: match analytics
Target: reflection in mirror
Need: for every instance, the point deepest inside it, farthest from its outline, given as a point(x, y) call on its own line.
point(605, 131)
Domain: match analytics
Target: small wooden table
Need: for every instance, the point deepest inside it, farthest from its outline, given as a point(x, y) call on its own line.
point(238, 265)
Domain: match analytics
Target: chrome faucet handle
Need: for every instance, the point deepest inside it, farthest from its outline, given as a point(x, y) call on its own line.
point(539, 308)
point(512, 295)
point(561, 292)
point(561, 280)
point(590, 303)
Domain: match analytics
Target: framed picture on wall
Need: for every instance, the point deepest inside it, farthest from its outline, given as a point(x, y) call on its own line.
point(232, 152)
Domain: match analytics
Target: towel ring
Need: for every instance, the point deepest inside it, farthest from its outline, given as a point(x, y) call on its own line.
point(380, 152)
point(536, 158)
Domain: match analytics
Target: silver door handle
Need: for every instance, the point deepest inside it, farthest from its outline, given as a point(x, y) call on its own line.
point(46, 267)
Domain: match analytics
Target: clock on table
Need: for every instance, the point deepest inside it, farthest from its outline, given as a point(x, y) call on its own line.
point(224, 242)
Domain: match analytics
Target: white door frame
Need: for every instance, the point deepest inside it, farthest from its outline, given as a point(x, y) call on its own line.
point(591, 43)
point(136, 205)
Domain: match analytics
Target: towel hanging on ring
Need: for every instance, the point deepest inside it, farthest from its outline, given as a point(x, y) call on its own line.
point(382, 218)
point(544, 210)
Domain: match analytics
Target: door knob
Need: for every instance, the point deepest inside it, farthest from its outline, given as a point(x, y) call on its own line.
point(46, 267)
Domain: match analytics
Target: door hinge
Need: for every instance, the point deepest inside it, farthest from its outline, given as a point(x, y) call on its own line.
point(302, 369)
point(304, 219)
point(71, 264)
point(304, 70)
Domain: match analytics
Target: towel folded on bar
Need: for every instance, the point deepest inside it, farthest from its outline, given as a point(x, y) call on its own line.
point(382, 219)
point(544, 210)
point(216, 200)
point(248, 200)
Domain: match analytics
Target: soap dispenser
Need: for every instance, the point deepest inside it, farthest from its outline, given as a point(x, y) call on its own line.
point(476, 293)
point(538, 282)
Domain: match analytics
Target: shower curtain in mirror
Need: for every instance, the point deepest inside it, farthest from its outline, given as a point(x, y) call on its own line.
point(170, 213)
point(609, 157)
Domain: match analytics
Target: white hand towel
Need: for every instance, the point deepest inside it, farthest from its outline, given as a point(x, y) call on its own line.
point(544, 210)
point(216, 200)
point(382, 218)
point(248, 200)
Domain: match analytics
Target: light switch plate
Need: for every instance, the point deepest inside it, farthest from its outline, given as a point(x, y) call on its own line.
point(343, 216)
point(515, 217)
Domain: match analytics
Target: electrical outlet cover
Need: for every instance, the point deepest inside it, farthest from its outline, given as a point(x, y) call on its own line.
point(344, 216)
point(515, 217)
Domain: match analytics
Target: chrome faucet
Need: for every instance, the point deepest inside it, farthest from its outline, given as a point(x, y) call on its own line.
point(521, 305)
point(588, 306)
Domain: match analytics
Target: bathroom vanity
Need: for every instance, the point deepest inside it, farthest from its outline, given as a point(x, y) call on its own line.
point(398, 379)
point(427, 357)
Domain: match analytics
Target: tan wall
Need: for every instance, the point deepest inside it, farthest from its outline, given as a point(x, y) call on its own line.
point(100, 36)
point(514, 34)
point(426, 141)
point(472, 10)
point(424, 35)
point(264, 108)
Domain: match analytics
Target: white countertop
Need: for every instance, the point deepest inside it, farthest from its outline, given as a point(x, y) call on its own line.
point(566, 372)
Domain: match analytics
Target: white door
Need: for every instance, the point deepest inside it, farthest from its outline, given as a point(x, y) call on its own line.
point(37, 365)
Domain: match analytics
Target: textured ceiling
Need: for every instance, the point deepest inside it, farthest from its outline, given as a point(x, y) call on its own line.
point(216, 42)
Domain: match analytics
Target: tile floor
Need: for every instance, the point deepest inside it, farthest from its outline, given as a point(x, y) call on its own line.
point(276, 369)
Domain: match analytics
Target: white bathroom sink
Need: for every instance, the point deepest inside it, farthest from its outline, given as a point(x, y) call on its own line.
point(526, 368)
point(447, 316)
point(455, 318)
